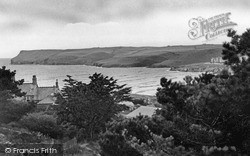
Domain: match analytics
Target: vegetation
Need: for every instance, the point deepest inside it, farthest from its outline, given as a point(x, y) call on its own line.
point(43, 123)
point(208, 115)
point(88, 107)
point(8, 82)
point(11, 110)
point(170, 56)
point(139, 101)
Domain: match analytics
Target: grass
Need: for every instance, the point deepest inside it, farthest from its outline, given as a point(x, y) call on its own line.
point(123, 56)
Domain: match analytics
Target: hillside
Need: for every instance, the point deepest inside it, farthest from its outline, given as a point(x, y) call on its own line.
point(170, 56)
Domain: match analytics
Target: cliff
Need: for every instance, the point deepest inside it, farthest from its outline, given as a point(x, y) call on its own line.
point(170, 56)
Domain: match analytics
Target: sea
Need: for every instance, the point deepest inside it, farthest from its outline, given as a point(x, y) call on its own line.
point(143, 80)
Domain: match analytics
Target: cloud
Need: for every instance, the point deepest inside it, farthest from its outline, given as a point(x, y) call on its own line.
point(97, 11)
point(16, 26)
point(23, 14)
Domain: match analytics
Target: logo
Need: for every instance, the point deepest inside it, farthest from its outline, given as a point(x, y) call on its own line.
point(20, 149)
point(210, 28)
point(7, 150)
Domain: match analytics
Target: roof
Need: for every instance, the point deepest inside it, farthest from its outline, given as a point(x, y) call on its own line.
point(143, 110)
point(44, 92)
point(127, 103)
point(47, 100)
point(28, 88)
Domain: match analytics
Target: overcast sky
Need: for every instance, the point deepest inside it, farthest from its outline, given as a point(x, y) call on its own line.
point(65, 24)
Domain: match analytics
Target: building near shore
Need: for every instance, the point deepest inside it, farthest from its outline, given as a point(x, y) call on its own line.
point(43, 96)
point(217, 60)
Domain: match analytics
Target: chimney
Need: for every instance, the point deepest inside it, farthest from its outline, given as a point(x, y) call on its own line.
point(57, 86)
point(34, 80)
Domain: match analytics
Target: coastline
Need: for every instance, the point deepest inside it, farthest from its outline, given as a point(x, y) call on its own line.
point(197, 67)
point(48, 73)
point(201, 67)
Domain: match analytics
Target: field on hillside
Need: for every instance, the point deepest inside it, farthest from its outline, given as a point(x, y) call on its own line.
point(170, 56)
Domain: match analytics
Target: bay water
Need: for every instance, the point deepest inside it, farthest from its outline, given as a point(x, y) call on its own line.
point(142, 80)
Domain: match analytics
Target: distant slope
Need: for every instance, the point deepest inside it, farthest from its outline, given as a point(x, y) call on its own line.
point(170, 56)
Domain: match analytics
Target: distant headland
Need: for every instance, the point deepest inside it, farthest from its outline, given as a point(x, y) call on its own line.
point(152, 57)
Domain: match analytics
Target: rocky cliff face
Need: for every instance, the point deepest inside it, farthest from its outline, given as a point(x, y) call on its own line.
point(170, 56)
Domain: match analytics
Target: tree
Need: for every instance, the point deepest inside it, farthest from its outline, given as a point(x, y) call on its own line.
point(205, 78)
point(172, 95)
point(90, 106)
point(11, 110)
point(223, 105)
point(219, 103)
point(236, 53)
point(8, 83)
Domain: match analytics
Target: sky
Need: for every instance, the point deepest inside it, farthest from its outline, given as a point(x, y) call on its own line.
point(71, 24)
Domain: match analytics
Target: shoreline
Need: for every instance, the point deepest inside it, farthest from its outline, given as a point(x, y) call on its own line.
point(113, 66)
point(198, 67)
point(201, 67)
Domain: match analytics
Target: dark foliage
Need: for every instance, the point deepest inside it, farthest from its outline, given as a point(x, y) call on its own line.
point(139, 101)
point(8, 83)
point(236, 53)
point(115, 144)
point(89, 106)
point(219, 105)
point(11, 110)
point(172, 94)
point(134, 127)
point(43, 123)
point(205, 78)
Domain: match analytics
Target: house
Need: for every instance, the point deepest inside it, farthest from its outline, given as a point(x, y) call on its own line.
point(142, 110)
point(217, 60)
point(44, 96)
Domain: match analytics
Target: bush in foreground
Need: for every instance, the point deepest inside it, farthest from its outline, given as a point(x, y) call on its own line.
point(43, 123)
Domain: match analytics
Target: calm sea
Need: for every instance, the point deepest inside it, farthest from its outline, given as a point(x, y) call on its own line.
point(142, 80)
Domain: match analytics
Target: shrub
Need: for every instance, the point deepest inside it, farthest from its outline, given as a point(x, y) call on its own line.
point(11, 111)
point(134, 127)
point(43, 123)
point(115, 144)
